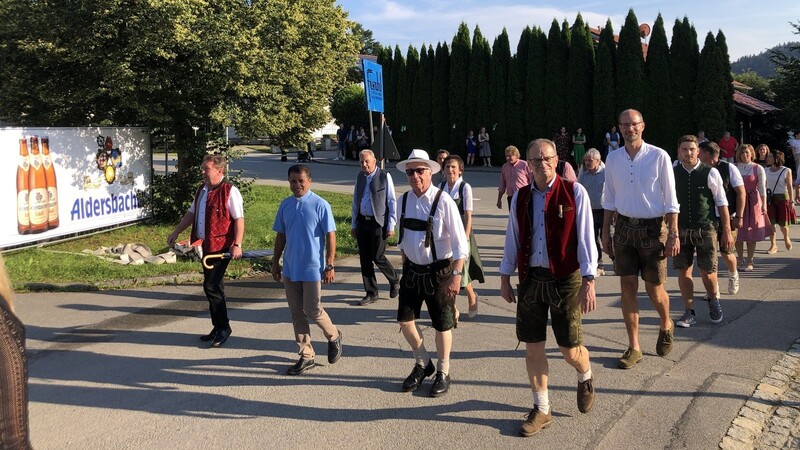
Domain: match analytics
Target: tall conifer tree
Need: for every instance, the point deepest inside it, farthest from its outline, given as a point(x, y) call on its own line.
point(404, 131)
point(498, 86)
point(458, 92)
point(684, 54)
point(478, 82)
point(440, 111)
point(389, 94)
point(710, 104)
point(421, 100)
point(514, 96)
point(722, 45)
point(535, 91)
point(522, 59)
point(657, 108)
point(630, 66)
point(580, 78)
point(605, 111)
point(397, 80)
point(556, 80)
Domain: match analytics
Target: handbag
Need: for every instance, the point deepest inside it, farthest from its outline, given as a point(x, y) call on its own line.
point(770, 191)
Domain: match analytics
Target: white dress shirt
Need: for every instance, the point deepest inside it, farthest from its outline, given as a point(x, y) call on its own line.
point(448, 231)
point(365, 206)
point(642, 187)
point(467, 203)
point(584, 225)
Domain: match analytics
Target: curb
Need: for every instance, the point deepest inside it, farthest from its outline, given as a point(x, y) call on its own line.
point(770, 418)
point(173, 279)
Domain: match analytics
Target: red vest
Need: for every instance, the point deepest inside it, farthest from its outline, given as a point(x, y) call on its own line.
point(559, 224)
point(220, 232)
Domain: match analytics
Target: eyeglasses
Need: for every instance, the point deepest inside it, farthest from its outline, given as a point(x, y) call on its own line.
point(630, 124)
point(418, 171)
point(546, 159)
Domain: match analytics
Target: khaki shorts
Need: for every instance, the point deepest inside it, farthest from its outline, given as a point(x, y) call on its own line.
point(730, 250)
point(540, 293)
point(639, 248)
point(702, 242)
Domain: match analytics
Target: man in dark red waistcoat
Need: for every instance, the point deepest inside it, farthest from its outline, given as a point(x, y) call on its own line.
point(550, 242)
point(216, 217)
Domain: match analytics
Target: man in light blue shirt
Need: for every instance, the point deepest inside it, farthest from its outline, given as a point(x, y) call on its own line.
point(304, 222)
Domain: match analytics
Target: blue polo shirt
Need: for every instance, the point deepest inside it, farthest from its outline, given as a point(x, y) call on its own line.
point(306, 221)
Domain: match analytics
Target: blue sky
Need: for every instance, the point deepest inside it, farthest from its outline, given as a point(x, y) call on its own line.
point(749, 26)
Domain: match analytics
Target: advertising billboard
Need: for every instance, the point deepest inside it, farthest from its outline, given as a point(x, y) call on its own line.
point(70, 180)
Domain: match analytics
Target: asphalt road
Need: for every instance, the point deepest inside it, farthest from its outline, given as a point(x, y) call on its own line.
point(125, 369)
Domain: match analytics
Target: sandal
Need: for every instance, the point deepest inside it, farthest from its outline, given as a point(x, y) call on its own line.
point(749, 268)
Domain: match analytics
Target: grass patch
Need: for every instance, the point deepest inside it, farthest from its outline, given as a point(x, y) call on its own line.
point(63, 263)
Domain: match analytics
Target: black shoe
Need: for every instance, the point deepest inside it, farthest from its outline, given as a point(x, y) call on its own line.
point(221, 337)
point(301, 366)
point(418, 374)
point(335, 349)
point(368, 300)
point(209, 336)
point(394, 291)
point(441, 384)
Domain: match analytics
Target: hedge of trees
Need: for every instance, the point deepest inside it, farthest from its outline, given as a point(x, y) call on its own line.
point(561, 77)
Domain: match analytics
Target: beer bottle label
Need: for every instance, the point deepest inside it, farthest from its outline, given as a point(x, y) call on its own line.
point(39, 207)
point(46, 162)
point(52, 203)
point(24, 164)
point(23, 215)
point(36, 162)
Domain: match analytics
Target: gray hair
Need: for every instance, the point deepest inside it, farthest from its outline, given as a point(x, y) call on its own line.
point(366, 151)
point(593, 153)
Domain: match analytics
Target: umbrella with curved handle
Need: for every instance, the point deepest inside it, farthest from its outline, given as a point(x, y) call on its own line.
point(247, 254)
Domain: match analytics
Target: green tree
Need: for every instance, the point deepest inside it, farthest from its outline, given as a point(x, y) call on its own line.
point(760, 86)
point(349, 105)
point(440, 111)
point(684, 54)
point(514, 96)
point(710, 102)
point(535, 91)
point(722, 45)
point(579, 79)
point(478, 83)
point(498, 86)
point(421, 100)
point(269, 67)
point(523, 46)
point(389, 91)
point(657, 106)
point(396, 81)
point(630, 66)
point(605, 111)
point(404, 135)
point(458, 91)
point(556, 80)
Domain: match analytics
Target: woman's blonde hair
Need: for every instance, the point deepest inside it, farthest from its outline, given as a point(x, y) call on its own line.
point(5, 285)
point(745, 148)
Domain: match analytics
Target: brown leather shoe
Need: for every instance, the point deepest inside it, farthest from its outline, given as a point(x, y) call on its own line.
point(585, 396)
point(535, 422)
point(664, 342)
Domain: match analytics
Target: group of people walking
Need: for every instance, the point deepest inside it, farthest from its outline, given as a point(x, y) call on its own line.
point(559, 225)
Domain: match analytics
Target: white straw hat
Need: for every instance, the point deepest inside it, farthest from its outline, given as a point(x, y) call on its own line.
point(421, 156)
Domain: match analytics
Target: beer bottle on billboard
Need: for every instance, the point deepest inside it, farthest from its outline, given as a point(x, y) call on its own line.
point(23, 215)
point(52, 186)
point(37, 183)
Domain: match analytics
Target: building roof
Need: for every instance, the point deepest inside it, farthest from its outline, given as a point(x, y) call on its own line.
point(597, 30)
point(751, 105)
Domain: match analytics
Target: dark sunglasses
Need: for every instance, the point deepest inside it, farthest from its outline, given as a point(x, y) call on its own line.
point(418, 171)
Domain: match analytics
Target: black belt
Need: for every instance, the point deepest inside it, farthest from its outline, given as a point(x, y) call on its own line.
point(434, 266)
point(637, 221)
point(366, 218)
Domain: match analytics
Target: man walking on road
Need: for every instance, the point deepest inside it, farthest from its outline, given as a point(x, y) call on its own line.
point(216, 217)
point(307, 240)
point(374, 217)
point(550, 242)
point(640, 191)
point(733, 184)
point(514, 175)
point(434, 247)
point(700, 191)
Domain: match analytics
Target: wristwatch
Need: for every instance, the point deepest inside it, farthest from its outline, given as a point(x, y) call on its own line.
point(456, 272)
point(329, 267)
point(589, 277)
point(673, 235)
point(236, 245)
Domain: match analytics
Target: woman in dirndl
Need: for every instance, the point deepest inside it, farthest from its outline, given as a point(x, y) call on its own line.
point(780, 208)
point(755, 223)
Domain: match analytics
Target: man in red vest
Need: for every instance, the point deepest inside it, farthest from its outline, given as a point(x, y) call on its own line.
point(550, 242)
point(216, 217)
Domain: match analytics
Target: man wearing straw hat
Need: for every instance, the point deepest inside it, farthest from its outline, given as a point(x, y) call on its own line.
point(434, 246)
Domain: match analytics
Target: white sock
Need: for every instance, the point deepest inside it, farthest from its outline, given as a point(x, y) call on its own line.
point(443, 365)
point(421, 355)
point(541, 402)
point(583, 377)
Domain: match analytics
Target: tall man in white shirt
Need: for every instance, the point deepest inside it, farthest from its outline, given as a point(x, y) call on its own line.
point(434, 247)
point(374, 217)
point(639, 192)
point(550, 242)
point(700, 192)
